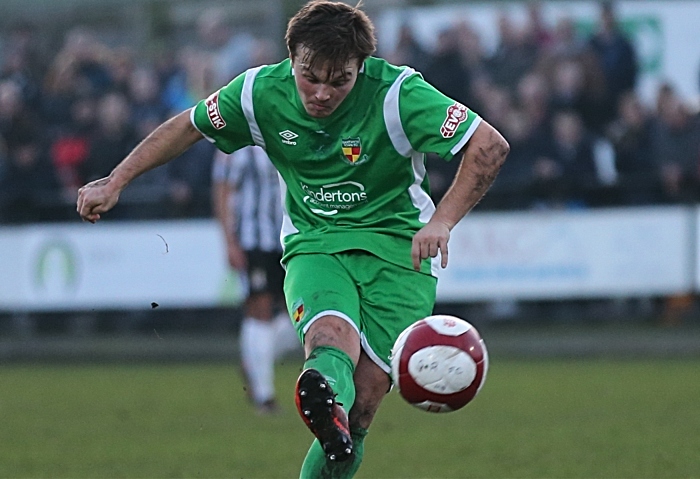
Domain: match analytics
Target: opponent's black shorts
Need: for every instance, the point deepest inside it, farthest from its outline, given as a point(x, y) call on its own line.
point(265, 273)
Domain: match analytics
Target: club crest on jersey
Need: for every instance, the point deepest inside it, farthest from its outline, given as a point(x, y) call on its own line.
point(213, 112)
point(352, 151)
point(298, 313)
point(456, 114)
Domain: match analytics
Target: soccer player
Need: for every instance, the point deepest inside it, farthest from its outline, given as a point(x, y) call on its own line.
point(362, 240)
point(246, 199)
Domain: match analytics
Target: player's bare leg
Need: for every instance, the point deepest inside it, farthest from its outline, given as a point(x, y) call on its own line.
point(371, 385)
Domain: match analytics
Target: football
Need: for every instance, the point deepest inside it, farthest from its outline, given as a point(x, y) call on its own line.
point(439, 363)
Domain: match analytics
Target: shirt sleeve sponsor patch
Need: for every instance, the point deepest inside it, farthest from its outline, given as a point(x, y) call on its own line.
point(456, 114)
point(213, 112)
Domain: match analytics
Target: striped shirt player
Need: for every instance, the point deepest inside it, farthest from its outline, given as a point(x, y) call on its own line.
point(254, 185)
point(246, 196)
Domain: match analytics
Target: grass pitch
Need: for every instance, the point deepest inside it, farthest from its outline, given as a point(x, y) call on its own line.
point(533, 419)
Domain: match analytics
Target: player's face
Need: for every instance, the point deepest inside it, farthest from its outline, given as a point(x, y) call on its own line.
point(320, 92)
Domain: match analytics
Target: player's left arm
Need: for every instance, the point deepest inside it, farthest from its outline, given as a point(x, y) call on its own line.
point(482, 158)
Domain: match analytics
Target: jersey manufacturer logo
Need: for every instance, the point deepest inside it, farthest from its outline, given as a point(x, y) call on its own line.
point(352, 150)
point(215, 118)
point(329, 199)
point(288, 136)
point(456, 114)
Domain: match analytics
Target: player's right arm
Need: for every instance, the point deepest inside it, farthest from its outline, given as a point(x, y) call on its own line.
point(166, 142)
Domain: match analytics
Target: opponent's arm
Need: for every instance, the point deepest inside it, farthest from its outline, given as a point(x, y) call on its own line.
point(224, 210)
point(483, 156)
point(166, 142)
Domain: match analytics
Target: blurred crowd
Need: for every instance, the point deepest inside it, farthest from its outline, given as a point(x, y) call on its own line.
point(567, 102)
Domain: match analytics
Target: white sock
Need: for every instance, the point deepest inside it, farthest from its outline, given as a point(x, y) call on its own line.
point(257, 342)
point(286, 338)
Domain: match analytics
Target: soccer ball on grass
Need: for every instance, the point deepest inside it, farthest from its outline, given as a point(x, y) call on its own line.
point(439, 363)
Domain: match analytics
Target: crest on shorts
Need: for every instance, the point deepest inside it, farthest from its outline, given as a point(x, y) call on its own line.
point(352, 150)
point(298, 313)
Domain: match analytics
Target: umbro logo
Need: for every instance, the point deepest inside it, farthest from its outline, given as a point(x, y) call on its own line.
point(288, 136)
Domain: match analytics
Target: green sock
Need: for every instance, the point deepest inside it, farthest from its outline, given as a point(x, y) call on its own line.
point(316, 466)
point(338, 369)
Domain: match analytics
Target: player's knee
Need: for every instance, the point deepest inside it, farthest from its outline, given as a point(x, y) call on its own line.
point(335, 332)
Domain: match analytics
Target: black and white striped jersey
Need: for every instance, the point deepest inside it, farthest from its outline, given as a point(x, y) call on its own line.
point(256, 198)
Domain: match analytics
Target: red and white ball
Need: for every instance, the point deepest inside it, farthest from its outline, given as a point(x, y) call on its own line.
point(439, 363)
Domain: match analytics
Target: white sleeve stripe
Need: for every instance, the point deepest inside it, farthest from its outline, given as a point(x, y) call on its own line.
point(288, 227)
point(419, 197)
point(209, 139)
point(468, 134)
point(247, 105)
point(392, 117)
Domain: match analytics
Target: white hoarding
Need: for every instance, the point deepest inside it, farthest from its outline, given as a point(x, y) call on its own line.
point(521, 255)
point(593, 253)
point(119, 265)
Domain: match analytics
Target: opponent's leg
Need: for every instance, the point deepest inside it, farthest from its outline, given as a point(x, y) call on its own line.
point(257, 344)
point(286, 338)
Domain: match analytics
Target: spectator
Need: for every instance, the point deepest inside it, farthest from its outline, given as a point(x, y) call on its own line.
point(231, 51)
point(187, 81)
point(536, 30)
point(144, 93)
point(631, 136)
point(566, 42)
point(18, 68)
point(120, 67)
point(28, 184)
point(514, 57)
point(617, 58)
point(533, 99)
point(90, 59)
point(151, 193)
point(676, 148)
point(563, 177)
point(71, 146)
point(190, 182)
point(570, 92)
point(445, 68)
point(18, 122)
point(408, 50)
point(514, 183)
point(112, 138)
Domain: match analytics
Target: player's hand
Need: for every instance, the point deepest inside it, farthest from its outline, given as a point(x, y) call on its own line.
point(237, 258)
point(97, 197)
point(430, 239)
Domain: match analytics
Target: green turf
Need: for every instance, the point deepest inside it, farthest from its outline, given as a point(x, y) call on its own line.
point(534, 419)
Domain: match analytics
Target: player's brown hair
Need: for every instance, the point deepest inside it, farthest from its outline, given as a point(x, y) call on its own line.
point(333, 32)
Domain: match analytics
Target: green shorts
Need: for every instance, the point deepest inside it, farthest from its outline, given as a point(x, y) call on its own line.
point(380, 299)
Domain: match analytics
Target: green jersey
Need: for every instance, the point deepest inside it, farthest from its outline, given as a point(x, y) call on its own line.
point(355, 179)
